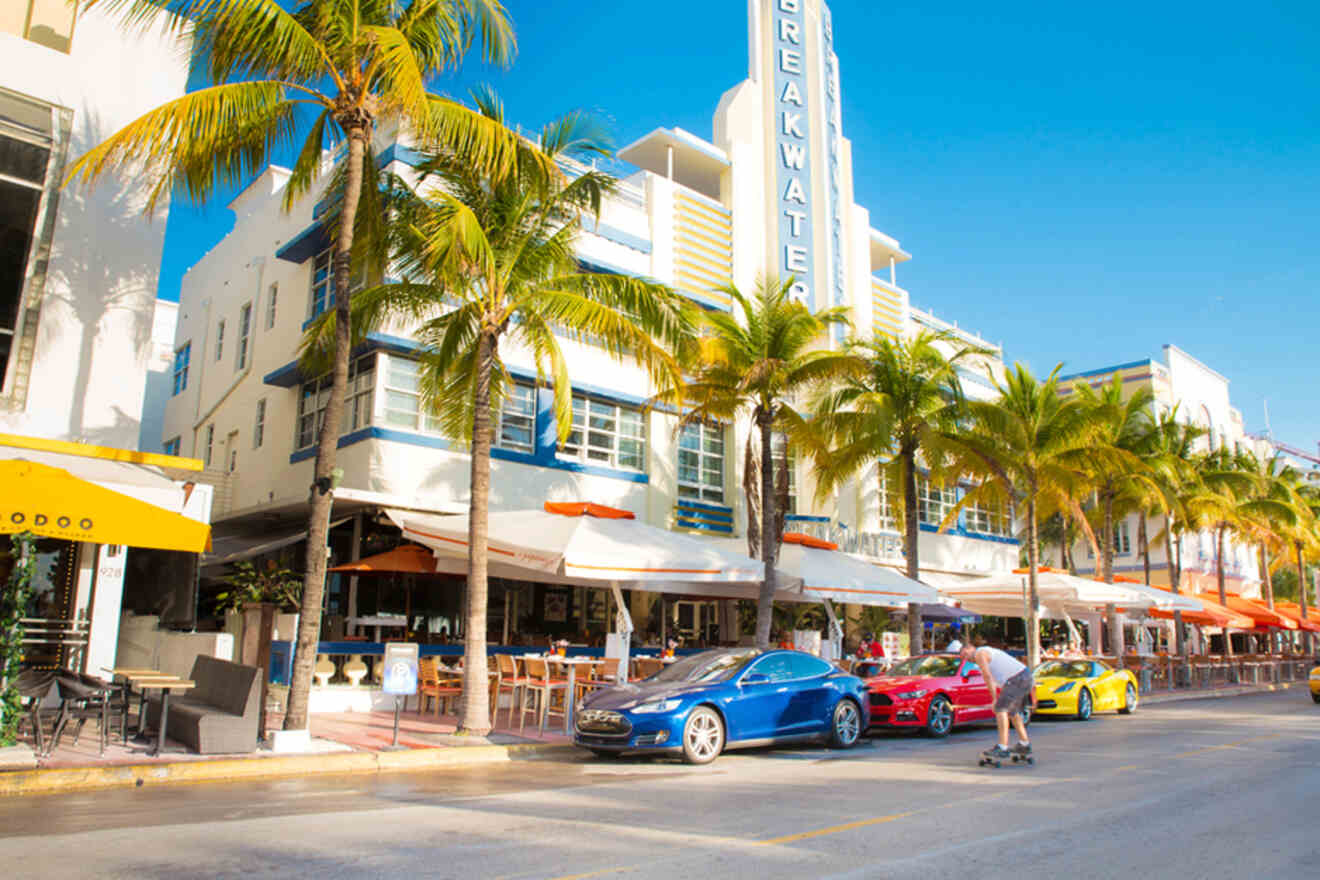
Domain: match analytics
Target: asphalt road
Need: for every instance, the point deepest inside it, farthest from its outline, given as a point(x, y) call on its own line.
point(1206, 788)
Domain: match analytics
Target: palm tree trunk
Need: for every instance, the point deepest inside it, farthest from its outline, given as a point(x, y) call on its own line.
point(769, 537)
point(327, 449)
point(1179, 634)
point(1301, 578)
point(1033, 590)
point(1145, 546)
point(476, 684)
point(1219, 578)
point(1107, 532)
point(911, 543)
point(1266, 580)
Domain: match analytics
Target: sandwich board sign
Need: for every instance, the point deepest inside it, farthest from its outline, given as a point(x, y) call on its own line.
point(400, 678)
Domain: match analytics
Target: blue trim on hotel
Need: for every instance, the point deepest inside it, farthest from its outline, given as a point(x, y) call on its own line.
point(961, 531)
point(1103, 370)
point(800, 517)
point(305, 245)
point(702, 526)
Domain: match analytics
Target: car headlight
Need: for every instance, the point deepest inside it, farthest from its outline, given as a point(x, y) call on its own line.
point(656, 706)
point(1064, 688)
point(910, 695)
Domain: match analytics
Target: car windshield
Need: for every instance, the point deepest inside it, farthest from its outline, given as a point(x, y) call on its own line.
point(1064, 669)
point(707, 666)
point(933, 665)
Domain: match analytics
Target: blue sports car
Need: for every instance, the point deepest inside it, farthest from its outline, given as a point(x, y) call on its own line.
point(726, 698)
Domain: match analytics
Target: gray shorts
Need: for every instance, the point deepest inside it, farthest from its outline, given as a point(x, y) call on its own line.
point(1015, 694)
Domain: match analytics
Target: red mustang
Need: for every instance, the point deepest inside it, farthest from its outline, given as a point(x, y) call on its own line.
point(927, 692)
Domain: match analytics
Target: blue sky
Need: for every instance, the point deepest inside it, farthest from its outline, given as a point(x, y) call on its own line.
point(1081, 183)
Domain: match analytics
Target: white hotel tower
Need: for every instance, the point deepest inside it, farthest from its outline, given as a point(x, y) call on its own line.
point(772, 191)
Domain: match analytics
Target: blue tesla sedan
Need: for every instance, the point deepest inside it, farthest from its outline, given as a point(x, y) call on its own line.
point(727, 698)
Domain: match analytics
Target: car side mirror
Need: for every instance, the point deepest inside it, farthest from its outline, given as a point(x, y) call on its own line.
point(756, 678)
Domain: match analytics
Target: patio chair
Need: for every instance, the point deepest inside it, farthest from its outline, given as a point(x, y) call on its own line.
point(541, 688)
point(648, 666)
point(509, 681)
point(34, 685)
point(439, 687)
point(84, 698)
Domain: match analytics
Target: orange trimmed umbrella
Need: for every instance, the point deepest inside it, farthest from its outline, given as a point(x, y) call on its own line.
point(1211, 614)
point(1294, 611)
point(1260, 615)
point(405, 559)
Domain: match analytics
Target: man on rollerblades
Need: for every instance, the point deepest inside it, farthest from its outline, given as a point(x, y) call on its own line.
point(1011, 686)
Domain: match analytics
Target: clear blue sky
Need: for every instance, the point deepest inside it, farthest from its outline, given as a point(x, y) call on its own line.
point(1082, 183)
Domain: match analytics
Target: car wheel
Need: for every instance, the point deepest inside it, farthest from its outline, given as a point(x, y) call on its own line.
point(703, 736)
point(846, 727)
point(939, 716)
point(1084, 705)
point(1129, 700)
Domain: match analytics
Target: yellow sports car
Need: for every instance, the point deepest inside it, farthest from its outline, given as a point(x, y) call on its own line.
point(1080, 687)
point(1315, 683)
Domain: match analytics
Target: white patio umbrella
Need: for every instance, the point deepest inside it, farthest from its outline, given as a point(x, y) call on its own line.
point(1164, 600)
point(1059, 592)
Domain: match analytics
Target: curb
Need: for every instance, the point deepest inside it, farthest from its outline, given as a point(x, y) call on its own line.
point(1178, 696)
point(57, 780)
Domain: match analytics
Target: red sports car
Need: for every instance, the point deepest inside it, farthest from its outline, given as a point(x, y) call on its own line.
point(928, 693)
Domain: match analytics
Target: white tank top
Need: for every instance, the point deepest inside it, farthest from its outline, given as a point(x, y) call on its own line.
point(1003, 666)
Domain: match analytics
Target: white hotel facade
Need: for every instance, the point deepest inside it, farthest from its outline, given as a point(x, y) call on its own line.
point(772, 190)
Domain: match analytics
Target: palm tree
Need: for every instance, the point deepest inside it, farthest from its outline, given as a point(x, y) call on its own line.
point(1269, 513)
point(1115, 466)
point(1031, 449)
point(351, 62)
point(1304, 534)
point(759, 360)
point(1168, 450)
point(490, 260)
point(893, 408)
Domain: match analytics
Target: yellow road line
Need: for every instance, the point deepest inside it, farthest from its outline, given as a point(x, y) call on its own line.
point(821, 832)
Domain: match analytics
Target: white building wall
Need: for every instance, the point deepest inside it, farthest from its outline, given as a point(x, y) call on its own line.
point(94, 331)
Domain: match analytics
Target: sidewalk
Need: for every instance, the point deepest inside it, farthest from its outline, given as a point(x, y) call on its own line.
point(348, 742)
point(1156, 697)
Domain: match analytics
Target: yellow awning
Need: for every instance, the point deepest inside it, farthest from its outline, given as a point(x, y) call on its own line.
point(53, 503)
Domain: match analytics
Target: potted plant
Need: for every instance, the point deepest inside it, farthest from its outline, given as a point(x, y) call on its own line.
point(252, 589)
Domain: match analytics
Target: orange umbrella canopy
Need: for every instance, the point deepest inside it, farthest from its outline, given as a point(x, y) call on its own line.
point(405, 559)
point(1211, 614)
point(1259, 614)
point(1293, 611)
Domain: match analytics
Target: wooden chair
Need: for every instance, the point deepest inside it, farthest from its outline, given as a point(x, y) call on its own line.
point(648, 666)
point(541, 688)
point(434, 685)
point(509, 681)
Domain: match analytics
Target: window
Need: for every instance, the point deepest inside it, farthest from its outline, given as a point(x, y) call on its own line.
point(701, 463)
point(403, 398)
point(323, 284)
point(515, 427)
point(357, 402)
point(47, 22)
point(181, 358)
point(171, 446)
point(776, 667)
point(780, 446)
point(25, 148)
point(233, 460)
point(988, 520)
point(271, 300)
point(888, 505)
point(259, 427)
point(210, 445)
point(219, 340)
point(606, 433)
point(1122, 539)
point(244, 335)
point(933, 502)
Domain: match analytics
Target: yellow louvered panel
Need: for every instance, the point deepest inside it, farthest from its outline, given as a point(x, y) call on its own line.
point(703, 247)
point(700, 252)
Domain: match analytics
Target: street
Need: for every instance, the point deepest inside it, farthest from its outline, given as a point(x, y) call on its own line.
point(1200, 788)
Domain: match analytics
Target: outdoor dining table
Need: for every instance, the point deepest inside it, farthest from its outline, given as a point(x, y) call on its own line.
point(152, 679)
point(570, 695)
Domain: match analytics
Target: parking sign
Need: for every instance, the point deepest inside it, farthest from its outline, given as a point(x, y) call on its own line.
point(400, 676)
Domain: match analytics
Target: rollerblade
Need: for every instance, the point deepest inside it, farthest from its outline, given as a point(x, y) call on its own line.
point(1022, 754)
point(995, 756)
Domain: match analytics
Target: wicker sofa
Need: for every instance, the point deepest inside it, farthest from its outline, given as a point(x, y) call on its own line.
point(218, 716)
